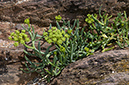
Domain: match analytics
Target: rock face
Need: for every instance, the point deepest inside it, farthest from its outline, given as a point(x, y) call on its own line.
point(12, 58)
point(43, 12)
point(109, 68)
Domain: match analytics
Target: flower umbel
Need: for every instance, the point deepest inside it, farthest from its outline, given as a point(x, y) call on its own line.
point(62, 49)
point(27, 21)
point(55, 36)
point(89, 19)
point(58, 18)
point(70, 31)
point(86, 49)
point(19, 37)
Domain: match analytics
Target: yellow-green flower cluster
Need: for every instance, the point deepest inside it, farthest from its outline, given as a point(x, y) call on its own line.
point(55, 53)
point(86, 49)
point(122, 23)
point(19, 37)
point(55, 35)
point(58, 18)
point(27, 21)
point(89, 52)
point(69, 31)
point(90, 19)
point(62, 49)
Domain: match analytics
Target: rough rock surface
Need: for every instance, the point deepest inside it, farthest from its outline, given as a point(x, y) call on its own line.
point(11, 57)
point(108, 68)
point(42, 12)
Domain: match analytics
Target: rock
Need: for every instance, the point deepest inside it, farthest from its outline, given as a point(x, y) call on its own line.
point(108, 68)
point(43, 12)
point(11, 58)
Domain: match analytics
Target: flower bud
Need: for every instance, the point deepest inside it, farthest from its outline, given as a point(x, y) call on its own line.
point(54, 35)
point(66, 35)
point(62, 49)
point(55, 53)
point(50, 34)
point(58, 31)
point(46, 38)
point(22, 41)
point(25, 35)
point(63, 39)
point(20, 37)
point(61, 36)
point(49, 41)
point(23, 31)
point(15, 44)
point(86, 49)
point(17, 31)
point(27, 39)
point(12, 34)
point(10, 38)
point(54, 32)
point(63, 32)
point(69, 31)
point(59, 42)
point(49, 30)
point(58, 18)
point(122, 24)
point(58, 36)
point(27, 21)
point(53, 28)
point(54, 39)
point(15, 39)
point(89, 19)
point(45, 33)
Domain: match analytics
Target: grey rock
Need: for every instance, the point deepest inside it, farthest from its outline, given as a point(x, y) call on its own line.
point(43, 12)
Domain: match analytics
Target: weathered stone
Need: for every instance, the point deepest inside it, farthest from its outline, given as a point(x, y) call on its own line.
point(11, 58)
point(100, 69)
point(108, 68)
point(43, 12)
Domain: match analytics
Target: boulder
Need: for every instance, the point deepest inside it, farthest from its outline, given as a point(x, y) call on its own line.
point(108, 68)
point(43, 12)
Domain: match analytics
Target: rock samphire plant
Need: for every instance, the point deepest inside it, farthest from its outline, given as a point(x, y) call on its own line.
point(71, 42)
